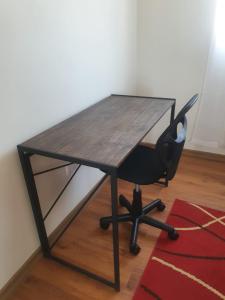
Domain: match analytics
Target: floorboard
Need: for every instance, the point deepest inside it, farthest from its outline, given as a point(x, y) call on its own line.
point(200, 181)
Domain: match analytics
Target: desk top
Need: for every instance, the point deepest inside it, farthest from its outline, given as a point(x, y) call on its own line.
point(104, 133)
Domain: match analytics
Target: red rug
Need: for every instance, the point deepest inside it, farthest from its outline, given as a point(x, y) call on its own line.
point(193, 267)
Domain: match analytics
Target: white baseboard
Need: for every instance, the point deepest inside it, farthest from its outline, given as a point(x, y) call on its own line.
point(205, 146)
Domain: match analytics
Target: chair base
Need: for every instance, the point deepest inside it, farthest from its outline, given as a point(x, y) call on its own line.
point(137, 215)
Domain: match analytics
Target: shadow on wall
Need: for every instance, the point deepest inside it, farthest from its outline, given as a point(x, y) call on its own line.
point(18, 233)
point(16, 222)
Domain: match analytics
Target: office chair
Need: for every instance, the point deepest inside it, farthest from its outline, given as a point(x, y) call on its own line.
point(146, 166)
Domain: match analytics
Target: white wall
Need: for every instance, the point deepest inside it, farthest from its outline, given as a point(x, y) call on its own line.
point(174, 39)
point(210, 130)
point(56, 58)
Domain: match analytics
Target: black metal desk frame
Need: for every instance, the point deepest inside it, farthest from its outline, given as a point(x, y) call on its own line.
point(25, 153)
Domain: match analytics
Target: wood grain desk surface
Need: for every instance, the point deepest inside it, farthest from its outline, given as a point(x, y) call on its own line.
point(104, 133)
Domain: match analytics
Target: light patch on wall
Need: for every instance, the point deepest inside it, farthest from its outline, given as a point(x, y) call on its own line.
point(220, 25)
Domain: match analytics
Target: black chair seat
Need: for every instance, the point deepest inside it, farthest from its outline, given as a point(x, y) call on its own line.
point(142, 166)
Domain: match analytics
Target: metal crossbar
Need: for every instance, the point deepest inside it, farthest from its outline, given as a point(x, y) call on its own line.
point(61, 193)
point(52, 169)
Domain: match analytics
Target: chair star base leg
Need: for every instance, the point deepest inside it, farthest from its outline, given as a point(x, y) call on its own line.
point(137, 214)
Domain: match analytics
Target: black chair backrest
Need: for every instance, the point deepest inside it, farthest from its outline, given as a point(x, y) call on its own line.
point(170, 144)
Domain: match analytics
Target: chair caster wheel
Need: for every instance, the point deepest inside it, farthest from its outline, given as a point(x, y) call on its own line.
point(135, 249)
point(173, 235)
point(104, 225)
point(161, 206)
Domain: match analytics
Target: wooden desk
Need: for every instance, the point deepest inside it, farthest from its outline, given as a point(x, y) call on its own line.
point(101, 136)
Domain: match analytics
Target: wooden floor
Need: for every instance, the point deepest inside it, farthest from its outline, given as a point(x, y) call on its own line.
point(198, 180)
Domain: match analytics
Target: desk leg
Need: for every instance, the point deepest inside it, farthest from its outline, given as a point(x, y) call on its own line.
point(34, 199)
point(35, 203)
point(114, 199)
